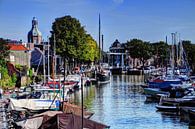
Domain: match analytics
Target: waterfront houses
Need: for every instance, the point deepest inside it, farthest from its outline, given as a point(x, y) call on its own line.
point(19, 54)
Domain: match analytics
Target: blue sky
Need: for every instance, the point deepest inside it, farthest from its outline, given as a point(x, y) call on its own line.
point(149, 20)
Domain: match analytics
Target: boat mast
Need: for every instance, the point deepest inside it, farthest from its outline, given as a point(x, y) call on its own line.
point(54, 52)
point(99, 40)
point(44, 77)
point(177, 49)
point(53, 59)
point(166, 59)
point(173, 53)
point(180, 52)
point(48, 68)
point(102, 47)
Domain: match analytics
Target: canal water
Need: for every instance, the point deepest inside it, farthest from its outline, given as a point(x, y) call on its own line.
point(121, 105)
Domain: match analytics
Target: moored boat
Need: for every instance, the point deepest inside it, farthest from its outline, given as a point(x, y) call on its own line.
point(155, 93)
point(73, 78)
point(103, 76)
point(175, 104)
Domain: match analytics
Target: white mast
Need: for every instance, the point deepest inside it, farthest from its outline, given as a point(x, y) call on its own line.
point(180, 52)
point(48, 66)
point(44, 78)
point(54, 56)
point(99, 39)
point(173, 52)
point(177, 49)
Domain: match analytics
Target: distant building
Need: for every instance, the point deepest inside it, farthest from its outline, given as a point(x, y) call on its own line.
point(35, 44)
point(117, 47)
point(19, 55)
point(13, 41)
point(41, 52)
point(117, 54)
point(34, 35)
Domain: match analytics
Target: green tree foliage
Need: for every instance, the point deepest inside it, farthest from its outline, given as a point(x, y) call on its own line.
point(4, 52)
point(139, 49)
point(18, 67)
point(88, 50)
point(7, 81)
point(161, 52)
point(72, 40)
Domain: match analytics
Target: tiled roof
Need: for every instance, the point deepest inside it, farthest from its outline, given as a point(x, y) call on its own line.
point(17, 47)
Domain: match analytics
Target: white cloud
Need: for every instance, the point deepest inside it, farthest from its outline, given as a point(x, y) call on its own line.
point(118, 1)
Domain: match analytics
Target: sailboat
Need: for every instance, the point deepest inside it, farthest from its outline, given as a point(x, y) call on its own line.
point(103, 72)
point(38, 97)
point(172, 79)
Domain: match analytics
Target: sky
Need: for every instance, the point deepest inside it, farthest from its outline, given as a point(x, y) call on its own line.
point(148, 20)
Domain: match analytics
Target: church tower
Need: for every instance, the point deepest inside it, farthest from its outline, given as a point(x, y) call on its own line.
point(34, 35)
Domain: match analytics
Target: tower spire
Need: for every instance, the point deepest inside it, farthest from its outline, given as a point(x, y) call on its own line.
point(34, 35)
point(34, 23)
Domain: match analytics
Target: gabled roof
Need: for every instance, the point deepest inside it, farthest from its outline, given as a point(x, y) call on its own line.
point(17, 47)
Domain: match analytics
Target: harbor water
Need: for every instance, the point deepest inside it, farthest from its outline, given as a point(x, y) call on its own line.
point(122, 105)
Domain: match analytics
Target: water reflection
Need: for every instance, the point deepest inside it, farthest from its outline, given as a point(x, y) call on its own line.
point(121, 104)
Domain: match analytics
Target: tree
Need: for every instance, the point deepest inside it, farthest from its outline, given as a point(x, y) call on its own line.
point(7, 81)
point(72, 42)
point(4, 52)
point(139, 49)
point(160, 50)
point(88, 50)
point(69, 35)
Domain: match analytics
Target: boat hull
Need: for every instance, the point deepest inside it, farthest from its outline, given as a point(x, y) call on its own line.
point(102, 79)
point(154, 92)
point(167, 108)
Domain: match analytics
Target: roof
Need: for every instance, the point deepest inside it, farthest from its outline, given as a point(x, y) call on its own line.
point(116, 43)
point(17, 47)
point(34, 31)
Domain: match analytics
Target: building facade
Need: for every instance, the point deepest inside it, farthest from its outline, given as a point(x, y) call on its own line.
point(19, 55)
point(117, 55)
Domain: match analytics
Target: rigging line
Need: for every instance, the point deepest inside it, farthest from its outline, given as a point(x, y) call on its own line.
point(38, 67)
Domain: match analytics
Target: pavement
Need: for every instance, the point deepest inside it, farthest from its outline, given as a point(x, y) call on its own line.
point(3, 119)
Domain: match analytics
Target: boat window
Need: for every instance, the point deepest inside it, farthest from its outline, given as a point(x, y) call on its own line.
point(56, 86)
point(27, 89)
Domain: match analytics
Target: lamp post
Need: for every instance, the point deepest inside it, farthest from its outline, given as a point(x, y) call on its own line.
point(82, 100)
point(27, 77)
point(0, 81)
point(64, 82)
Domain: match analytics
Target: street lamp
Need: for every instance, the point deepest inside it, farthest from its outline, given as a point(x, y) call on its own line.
point(82, 99)
point(0, 79)
point(27, 73)
point(64, 82)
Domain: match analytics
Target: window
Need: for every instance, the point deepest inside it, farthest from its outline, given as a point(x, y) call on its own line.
point(12, 58)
